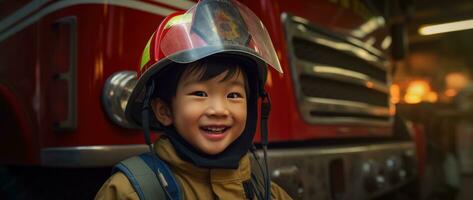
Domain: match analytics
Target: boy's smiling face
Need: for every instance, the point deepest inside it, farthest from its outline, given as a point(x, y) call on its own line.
point(209, 114)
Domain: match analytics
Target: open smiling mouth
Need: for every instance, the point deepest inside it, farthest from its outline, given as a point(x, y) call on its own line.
point(214, 129)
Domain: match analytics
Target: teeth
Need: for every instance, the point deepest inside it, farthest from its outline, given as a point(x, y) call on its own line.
point(214, 129)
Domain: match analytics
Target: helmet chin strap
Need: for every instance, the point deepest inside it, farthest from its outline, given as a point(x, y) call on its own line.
point(145, 116)
point(265, 109)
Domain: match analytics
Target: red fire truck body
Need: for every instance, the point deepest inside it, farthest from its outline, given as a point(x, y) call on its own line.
point(331, 125)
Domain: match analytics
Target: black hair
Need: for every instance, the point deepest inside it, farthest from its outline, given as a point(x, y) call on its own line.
point(206, 69)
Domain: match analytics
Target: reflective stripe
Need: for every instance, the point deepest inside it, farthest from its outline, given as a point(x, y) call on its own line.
point(179, 19)
point(145, 57)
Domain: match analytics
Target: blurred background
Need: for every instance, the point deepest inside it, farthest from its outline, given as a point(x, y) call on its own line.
point(433, 86)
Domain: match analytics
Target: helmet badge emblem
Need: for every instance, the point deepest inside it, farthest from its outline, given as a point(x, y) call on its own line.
point(226, 27)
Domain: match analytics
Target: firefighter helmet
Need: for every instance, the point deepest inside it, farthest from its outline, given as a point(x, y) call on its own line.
point(211, 27)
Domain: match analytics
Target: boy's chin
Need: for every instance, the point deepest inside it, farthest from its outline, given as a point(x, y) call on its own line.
point(212, 150)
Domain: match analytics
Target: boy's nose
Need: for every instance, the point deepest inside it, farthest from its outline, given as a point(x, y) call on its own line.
point(217, 108)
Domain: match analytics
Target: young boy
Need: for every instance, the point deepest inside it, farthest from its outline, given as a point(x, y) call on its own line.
point(202, 73)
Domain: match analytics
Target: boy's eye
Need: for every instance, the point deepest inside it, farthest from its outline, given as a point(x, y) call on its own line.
point(234, 95)
point(199, 94)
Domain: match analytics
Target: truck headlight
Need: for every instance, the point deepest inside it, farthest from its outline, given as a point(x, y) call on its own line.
point(116, 91)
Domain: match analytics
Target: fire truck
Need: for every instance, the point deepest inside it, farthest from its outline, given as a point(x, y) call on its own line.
point(68, 67)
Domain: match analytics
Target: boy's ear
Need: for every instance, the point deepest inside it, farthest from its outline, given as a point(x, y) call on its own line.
point(162, 112)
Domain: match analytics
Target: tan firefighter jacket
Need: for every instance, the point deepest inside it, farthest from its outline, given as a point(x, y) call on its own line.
point(195, 182)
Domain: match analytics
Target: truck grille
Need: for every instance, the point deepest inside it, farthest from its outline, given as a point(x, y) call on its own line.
point(331, 89)
point(336, 80)
point(316, 53)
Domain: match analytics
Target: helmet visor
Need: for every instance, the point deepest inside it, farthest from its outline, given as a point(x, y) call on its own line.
point(217, 26)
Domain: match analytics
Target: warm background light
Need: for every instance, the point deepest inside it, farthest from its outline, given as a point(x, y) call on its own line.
point(431, 97)
point(419, 91)
point(395, 93)
point(456, 80)
point(415, 91)
point(446, 27)
point(450, 92)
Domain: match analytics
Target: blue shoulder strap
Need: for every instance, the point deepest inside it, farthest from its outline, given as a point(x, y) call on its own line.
point(143, 172)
